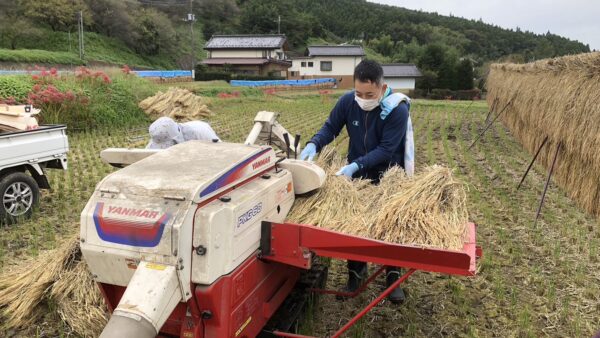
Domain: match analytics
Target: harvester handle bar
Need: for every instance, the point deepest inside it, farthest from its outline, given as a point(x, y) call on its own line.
point(294, 244)
point(296, 143)
point(286, 138)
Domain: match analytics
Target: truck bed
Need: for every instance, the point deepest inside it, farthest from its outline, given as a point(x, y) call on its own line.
point(48, 142)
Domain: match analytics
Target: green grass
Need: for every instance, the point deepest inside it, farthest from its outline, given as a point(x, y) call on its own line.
point(109, 104)
point(52, 47)
point(532, 281)
point(15, 86)
point(39, 56)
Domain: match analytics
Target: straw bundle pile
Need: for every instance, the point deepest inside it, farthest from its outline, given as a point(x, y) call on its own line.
point(559, 99)
point(56, 277)
point(428, 209)
point(176, 103)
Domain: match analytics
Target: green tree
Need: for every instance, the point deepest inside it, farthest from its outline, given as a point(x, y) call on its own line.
point(464, 74)
point(15, 29)
point(153, 32)
point(58, 14)
point(113, 18)
point(408, 53)
point(217, 17)
point(447, 77)
point(258, 17)
point(544, 49)
point(433, 57)
point(428, 81)
point(384, 45)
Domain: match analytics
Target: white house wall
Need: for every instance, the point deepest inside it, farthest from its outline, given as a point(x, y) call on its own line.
point(340, 65)
point(400, 83)
point(243, 53)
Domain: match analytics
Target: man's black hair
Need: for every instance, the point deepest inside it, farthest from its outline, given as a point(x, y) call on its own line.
point(369, 71)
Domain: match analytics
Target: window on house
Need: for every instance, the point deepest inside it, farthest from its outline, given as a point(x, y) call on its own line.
point(325, 66)
point(310, 64)
point(264, 53)
point(294, 73)
point(303, 64)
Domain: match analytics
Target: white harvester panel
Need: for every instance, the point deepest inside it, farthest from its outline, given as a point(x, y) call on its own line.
point(145, 212)
point(227, 230)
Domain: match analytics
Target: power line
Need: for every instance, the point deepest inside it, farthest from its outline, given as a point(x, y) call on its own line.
point(192, 18)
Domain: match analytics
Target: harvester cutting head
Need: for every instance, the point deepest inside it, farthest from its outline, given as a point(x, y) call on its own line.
point(182, 216)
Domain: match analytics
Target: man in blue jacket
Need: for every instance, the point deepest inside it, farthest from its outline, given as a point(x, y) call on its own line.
point(377, 142)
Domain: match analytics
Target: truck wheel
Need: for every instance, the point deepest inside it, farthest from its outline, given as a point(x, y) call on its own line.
point(19, 194)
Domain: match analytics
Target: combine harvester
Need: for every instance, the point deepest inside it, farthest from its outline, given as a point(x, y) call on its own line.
point(191, 241)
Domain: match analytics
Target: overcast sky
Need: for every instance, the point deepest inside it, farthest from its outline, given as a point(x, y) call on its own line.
point(575, 19)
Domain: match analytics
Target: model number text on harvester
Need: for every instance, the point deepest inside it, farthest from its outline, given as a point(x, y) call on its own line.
point(248, 215)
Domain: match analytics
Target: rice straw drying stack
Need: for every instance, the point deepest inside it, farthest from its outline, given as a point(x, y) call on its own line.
point(558, 99)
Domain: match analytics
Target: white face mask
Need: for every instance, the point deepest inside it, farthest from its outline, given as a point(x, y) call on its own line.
point(367, 105)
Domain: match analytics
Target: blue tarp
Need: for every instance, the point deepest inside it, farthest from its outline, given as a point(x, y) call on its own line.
point(164, 73)
point(299, 83)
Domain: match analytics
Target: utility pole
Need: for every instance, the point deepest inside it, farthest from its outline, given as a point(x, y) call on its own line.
point(80, 29)
point(191, 19)
point(279, 24)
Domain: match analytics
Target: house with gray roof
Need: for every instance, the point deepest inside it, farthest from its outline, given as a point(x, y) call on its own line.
point(257, 54)
point(337, 61)
point(401, 76)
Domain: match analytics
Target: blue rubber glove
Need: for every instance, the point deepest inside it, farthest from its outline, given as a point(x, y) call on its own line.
point(309, 152)
point(348, 170)
point(390, 102)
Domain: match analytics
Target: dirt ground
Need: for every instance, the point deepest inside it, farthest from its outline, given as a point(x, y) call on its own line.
point(534, 279)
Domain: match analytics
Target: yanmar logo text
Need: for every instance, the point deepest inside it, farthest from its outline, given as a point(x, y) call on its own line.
point(248, 215)
point(260, 163)
point(133, 212)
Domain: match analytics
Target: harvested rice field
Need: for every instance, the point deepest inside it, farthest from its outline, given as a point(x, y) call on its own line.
point(533, 280)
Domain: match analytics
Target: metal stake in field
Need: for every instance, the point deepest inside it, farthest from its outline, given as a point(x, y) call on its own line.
point(492, 108)
point(539, 210)
point(532, 161)
point(489, 125)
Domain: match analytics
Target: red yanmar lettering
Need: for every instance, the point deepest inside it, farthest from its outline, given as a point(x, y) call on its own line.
point(261, 162)
point(133, 212)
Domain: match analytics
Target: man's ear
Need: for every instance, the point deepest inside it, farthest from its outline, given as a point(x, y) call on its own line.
point(384, 88)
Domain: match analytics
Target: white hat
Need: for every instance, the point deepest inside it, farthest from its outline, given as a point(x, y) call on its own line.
point(164, 132)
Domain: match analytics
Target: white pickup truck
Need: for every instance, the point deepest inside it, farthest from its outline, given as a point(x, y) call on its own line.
point(24, 156)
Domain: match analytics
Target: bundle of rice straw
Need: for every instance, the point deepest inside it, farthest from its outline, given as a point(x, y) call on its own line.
point(428, 209)
point(338, 204)
point(179, 104)
point(57, 277)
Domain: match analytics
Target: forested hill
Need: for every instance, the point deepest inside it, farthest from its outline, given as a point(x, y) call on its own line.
point(155, 33)
point(390, 29)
